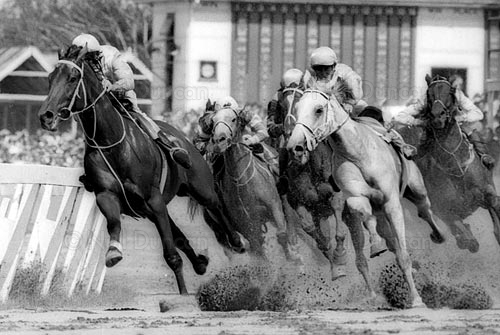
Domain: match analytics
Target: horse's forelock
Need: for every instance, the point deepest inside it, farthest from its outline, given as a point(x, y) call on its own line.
point(72, 52)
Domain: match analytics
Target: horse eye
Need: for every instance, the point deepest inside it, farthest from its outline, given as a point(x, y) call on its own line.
point(319, 110)
point(72, 79)
point(233, 120)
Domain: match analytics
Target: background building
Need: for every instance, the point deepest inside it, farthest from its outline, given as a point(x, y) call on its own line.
point(208, 49)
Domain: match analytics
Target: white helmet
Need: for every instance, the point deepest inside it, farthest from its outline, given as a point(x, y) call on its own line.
point(323, 56)
point(88, 40)
point(229, 102)
point(291, 76)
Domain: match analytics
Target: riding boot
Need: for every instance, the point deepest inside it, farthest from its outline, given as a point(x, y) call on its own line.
point(178, 154)
point(482, 150)
point(408, 150)
point(282, 184)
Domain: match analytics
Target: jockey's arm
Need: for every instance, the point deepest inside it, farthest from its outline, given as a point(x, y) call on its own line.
point(408, 116)
point(123, 75)
point(257, 126)
point(353, 80)
point(468, 112)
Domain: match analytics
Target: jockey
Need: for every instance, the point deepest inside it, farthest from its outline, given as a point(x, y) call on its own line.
point(326, 73)
point(275, 119)
point(117, 77)
point(275, 113)
point(467, 113)
point(253, 134)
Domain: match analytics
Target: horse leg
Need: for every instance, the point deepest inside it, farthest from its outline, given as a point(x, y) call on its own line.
point(215, 215)
point(340, 254)
point(362, 206)
point(394, 212)
point(417, 194)
point(493, 205)
point(160, 218)
point(109, 204)
point(353, 220)
point(288, 238)
point(199, 262)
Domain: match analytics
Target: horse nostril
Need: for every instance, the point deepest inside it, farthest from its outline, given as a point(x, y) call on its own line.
point(222, 139)
point(299, 148)
point(49, 115)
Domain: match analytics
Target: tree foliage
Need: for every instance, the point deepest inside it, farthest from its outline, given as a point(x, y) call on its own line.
point(52, 24)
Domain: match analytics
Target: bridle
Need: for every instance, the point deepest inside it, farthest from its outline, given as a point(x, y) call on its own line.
point(290, 119)
point(439, 101)
point(326, 128)
point(223, 122)
point(69, 108)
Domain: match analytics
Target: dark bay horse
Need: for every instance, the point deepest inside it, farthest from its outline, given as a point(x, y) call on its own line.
point(312, 198)
point(124, 167)
point(457, 181)
point(247, 185)
point(370, 174)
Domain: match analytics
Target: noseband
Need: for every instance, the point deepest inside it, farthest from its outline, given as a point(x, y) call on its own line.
point(225, 123)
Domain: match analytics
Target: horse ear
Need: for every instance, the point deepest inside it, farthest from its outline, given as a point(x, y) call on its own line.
point(428, 79)
point(208, 105)
point(82, 53)
point(60, 53)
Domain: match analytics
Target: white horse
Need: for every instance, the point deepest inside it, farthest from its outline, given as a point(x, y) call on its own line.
point(370, 174)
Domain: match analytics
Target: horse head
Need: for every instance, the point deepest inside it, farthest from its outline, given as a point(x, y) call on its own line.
point(441, 102)
point(318, 116)
point(287, 99)
point(67, 91)
point(227, 128)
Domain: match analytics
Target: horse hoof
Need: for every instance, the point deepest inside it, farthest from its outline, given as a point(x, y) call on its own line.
point(113, 256)
point(473, 246)
point(201, 265)
point(437, 238)
point(338, 273)
point(377, 249)
point(418, 303)
point(241, 245)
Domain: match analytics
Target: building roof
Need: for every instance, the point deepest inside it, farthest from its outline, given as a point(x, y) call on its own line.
point(24, 71)
point(412, 3)
point(13, 57)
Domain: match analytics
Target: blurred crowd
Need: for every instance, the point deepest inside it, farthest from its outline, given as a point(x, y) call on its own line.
point(42, 147)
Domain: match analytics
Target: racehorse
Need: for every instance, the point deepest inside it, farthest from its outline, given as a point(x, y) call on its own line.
point(308, 194)
point(457, 181)
point(371, 175)
point(124, 167)
point(247, 184)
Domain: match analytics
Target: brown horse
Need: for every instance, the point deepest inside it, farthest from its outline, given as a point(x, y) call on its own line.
point(124, 167)
point(457, 181)
point(247, 185)
point(370, 174)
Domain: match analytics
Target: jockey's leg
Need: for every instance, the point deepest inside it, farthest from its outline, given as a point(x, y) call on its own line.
point(408, 150)
point(169, 144)
point(481, 149)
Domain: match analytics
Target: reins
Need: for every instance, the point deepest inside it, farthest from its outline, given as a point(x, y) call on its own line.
point(88, 138)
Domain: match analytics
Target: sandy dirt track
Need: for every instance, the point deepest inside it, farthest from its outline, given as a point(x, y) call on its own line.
point(133, 289)
point(418, 321)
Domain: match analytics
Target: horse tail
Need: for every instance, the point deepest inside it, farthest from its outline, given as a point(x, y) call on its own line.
point(193, 208)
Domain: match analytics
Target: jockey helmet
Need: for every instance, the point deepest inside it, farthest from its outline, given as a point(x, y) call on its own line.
point(88, 40)
point(291, 76)
point(324, 56)
point(229, 102)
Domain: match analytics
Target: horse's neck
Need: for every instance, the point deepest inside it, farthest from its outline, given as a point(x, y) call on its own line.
point(348, 140)
point(236, 158)
point(450, 138)
point(102, 123)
